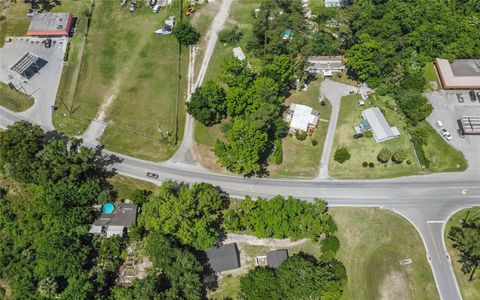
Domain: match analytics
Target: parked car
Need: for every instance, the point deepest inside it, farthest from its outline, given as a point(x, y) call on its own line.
point(460, 133)
point(472, 96)
point(152, 175)
point(358, 135)
point(47, 43)
point(153, 2)
point(132, 7)
point(123, 2)
point(460, 98)
point(439, 124)
point(478, 96)
point(156, 8)
point(446, 134)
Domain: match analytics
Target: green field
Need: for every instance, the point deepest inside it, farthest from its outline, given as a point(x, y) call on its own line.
point(16, 22)
point(373, 241)
point(442, 156)
point(430, 75)
point(470, 289)
point(301, 158)
point(124, 186)
point(131, 74)
point(14, 100)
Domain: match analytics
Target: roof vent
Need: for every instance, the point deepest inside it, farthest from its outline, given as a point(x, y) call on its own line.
point(59, 26)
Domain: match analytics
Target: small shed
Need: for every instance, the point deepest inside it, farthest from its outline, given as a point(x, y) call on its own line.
point(238, 53)
point(50, 24)
point(276, 258)
point(223, 258)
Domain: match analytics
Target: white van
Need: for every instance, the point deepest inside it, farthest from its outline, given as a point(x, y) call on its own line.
point(439, 124)
point(156, 8)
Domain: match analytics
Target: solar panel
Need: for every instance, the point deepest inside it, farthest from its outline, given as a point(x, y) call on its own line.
point(28, 65)
point(470, 124)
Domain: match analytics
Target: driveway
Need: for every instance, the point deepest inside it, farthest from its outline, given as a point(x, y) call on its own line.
point(333, 91)
point(44, 84)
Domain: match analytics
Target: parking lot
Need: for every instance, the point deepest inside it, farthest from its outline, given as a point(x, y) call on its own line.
point(448, 110)
point(43, 85)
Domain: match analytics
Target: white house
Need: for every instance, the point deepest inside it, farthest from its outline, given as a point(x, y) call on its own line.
point(373, 120)
point(333, 3)
point(325, 65)
point(302, 117)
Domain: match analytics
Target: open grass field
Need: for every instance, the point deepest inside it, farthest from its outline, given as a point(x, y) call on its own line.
point(470, 289)
point(430, 75)
point(14, 100)
point(442, 156)
point(132, 74)
point(366, 149)
point(16, 22)
point(124, 186)
point(373, 241)
point(301, 158)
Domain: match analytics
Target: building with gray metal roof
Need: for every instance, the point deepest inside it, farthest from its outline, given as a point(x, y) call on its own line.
point(224, 257)
point(276, 258)
point(374, 120)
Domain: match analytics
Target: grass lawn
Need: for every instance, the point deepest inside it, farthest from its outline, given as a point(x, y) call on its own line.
point(124, 185)
point(373, 241)
point(16, 22)
point(301, 158)
point(342, 77)
point(14, 100)
point(365, 149)
point(430, 75)
point(470, 289)
point(134, 70)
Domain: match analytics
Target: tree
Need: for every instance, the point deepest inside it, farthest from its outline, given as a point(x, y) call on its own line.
point(299, 277)
point(42, 5)
point(245, 149)
point(330, 246)
point(236, 73)
point(281, 69)
point(384, 155)
point(207, 104)
point(341, 154)
point(399, 156)
point(19, 145)
point(186, 34)
point(190, 214)
point(415, 106)
point(466, 239)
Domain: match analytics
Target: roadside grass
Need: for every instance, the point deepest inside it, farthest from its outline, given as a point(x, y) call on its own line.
point(442, 156)
point(470, 290)
point(301, 158)
point(16, 22)
point(372, 242)
point(124, 186)
point(430, 75)
point(366, 149)
point(13, 99)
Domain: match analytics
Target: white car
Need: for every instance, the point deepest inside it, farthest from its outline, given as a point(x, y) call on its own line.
point(156, 8)
point(446, 134)
point(439, 124)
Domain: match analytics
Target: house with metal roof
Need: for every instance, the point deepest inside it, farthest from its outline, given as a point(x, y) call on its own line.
point(114, 222)
point(461, 74)
point(276, 258)
point(373, 120)
point(223, 258)
point(325, 65)
point(302, 117)
point(333, 3)
point(50, 24)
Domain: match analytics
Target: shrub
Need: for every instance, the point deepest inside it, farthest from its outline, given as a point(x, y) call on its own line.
point(371, 164)
point(230, 35)
point(368, 134)
point(341, 155)
point(384, 155)
point(399, 156)
point(365, 164)
point(323, 103)
point(422, 157)
point(67, 50)
point(314, 142)
point(330, 246)
point(409, 162)
point(278, 152)
point(300, 135)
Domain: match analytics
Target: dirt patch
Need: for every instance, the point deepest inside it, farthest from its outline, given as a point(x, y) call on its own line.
point(4, 286)
point(393, 286)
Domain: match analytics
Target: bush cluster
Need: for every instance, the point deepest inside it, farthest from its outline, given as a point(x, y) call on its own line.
point(300, 135)
point(230, 35)
point(341, 154)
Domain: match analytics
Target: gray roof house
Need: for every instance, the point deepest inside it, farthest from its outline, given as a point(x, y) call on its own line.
point(333, 3)
point(124, 216)
point(326, 65)
point(373, 120)
point(223, 258)
point(276, 258)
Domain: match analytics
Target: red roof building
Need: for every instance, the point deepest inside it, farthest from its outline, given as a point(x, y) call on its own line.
point(50, 24)
point(461, 74)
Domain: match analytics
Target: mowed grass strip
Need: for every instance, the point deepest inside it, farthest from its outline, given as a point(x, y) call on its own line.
point(13, 99)
point(16, 22)
point(372, 243)
point(302, 158)
point(125, 186)
point(366, 149)
point(470, 289)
